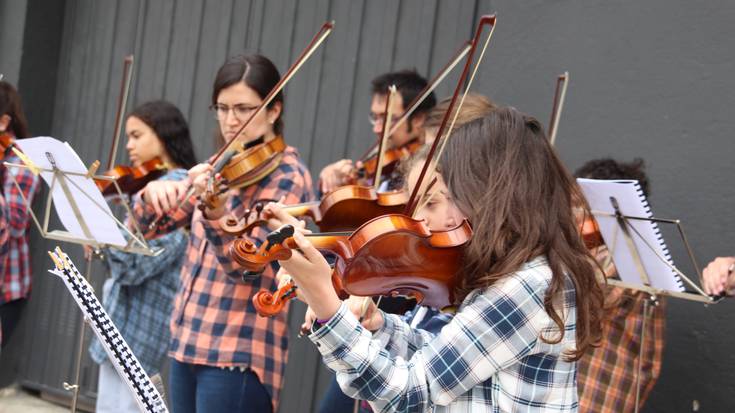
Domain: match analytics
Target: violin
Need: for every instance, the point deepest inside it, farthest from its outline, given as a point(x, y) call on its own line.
point(131, 179)
point(392, 255)
point(344, 209)
point(6, 142)
point(252, 164)
point(391, 158)
point(590, 232)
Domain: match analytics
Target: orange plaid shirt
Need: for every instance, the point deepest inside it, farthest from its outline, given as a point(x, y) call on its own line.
point(606, 375)
point(214, 322)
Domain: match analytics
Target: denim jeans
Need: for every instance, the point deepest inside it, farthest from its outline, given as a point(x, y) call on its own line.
point(203, 389)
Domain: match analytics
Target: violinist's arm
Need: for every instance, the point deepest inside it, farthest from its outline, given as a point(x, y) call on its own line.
point(399, 338)
point(287, 184)
point(480, 338)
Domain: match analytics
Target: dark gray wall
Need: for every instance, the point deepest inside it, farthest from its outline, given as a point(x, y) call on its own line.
point(648, 79)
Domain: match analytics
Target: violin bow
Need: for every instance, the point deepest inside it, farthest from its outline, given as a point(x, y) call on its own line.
point(442, 137)
point(433, 84)
point(561, 91)
point(392, 93)
point(316, 41)
point(122, 102)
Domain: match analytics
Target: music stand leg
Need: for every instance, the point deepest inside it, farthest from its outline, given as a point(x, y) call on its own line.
point(646, 306)
point(80, 350)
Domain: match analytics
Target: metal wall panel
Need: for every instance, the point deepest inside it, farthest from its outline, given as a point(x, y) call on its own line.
point(651, 80)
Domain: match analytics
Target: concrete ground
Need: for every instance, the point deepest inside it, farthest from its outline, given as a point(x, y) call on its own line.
point(13, 399)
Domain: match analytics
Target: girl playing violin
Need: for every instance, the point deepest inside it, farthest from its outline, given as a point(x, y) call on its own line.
point(439, 213)
point(139, 295)
point(530, 303)
point(225, 357)
point(15, 280)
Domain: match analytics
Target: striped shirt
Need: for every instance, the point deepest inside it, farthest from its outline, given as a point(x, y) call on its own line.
point(141, 292)
point(214, 322)
point(15, 281)
point(489, 358)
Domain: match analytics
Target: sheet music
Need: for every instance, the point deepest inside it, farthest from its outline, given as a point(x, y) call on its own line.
point(631, 202)
point(148, 398)
point(42, 151)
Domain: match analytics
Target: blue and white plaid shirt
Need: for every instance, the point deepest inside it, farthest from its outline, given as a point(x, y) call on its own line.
point(489, 358)
point(140, 298)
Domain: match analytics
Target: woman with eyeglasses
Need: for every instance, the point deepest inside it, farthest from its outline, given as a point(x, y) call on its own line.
point(224, 357)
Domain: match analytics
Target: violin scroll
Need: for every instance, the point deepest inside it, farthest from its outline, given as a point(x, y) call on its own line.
point(254, 259)
point(269, 304)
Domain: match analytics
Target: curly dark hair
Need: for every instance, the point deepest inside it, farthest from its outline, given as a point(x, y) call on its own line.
point(169, 124)
point(608, 168)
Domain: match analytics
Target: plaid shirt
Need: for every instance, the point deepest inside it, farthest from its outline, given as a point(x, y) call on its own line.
point(607, 374)
point(140, 296)
point(214, 322)
point(15, 281)
point(490, 357)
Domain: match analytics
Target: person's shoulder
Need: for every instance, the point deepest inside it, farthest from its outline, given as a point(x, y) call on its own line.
point(532, 278)
point(292, 164)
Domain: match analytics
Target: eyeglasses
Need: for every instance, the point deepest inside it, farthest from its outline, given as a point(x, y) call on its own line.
point(375, 118)
point(241, 111)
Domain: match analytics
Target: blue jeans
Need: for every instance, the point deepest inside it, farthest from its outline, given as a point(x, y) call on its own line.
point(203, 389)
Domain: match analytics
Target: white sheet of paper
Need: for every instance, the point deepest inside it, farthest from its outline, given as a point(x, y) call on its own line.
point(631, 202)
point(86, 195)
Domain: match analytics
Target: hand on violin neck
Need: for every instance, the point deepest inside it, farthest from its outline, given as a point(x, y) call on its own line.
point(276, 217)
point(313, 276)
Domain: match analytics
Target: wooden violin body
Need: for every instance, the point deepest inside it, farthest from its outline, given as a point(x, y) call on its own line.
point(131, 179)
point(390, 255)
point(391, 159)
point(253, 163)
point(6, 141)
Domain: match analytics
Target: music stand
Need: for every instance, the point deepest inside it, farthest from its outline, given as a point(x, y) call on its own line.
point(81, 209)
point(641, 257)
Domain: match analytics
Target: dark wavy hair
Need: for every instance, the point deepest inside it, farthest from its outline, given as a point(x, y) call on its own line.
point(169, 124)
point(11, 105)
point(258, 73)
point(505, 176)
point(608, 168)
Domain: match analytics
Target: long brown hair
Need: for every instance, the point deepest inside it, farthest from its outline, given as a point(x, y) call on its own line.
point(505, 176)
